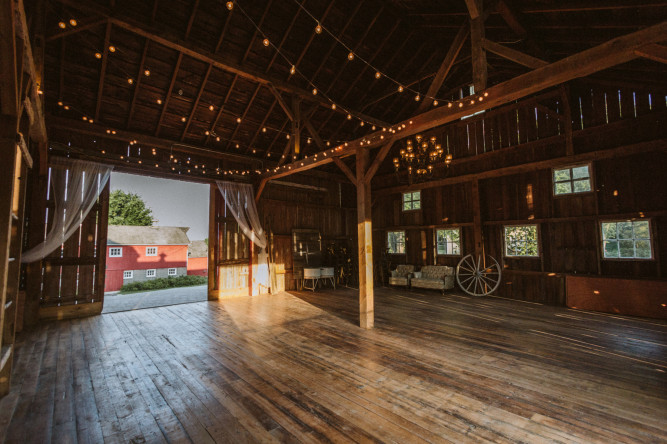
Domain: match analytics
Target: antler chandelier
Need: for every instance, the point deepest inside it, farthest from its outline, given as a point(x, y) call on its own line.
point(419, 158)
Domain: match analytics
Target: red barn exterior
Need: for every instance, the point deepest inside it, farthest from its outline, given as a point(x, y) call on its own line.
point(136, 254)
point(198, 258)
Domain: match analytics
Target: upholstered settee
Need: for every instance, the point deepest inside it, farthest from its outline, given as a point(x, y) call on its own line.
point(435, 277)
point(402, 275)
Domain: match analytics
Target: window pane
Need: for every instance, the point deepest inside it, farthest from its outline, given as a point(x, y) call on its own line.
point(406, 197)
point(626, 248)
point(641, 230)
point(580, 172)
point(581, 186)
point(609, 230)
point(456, 249)
point(407, 206)
point(563, 188)
point(643, 249)
point(416, 195)
point(521, 241)
point(625, 230)
point(560, 175)
point(610, 249)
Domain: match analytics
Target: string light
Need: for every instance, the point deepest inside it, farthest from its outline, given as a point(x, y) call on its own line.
point(72, 22)
point(318, 28)
point(314, 91)
point(112, 48)
point(147, 72)
point(266, 42)
point(230, 5)
point(435, 103)
point(292, 70)
point(130, 81)
point(211, 108)
point(333, 106)
point(62, 25)
point(378, 74)
point(98, 55)
point(159, 101)
point(350, 56)
point(400, 88)
point(238, 120)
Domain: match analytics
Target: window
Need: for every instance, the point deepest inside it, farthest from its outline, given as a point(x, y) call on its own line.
point(116, 252)
point(150, 273)
point(448, 241)
point(151, 251)
point(521, 240)
point(626, 240)
point(171, 272)
point(128, 274)
point(412, 201)
point(576, 179)
point(396, 242)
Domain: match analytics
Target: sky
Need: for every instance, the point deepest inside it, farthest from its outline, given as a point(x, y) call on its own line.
point(175, 203)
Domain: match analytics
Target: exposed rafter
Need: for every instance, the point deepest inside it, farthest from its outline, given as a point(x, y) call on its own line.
point(513, 55)
point(165, 103)
point(655, 52)
point(611, 53)
point(103, 69)
point(137, 83)
point(202, 87)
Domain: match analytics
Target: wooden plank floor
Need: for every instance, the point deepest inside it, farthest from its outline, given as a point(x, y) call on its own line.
point(295, 368)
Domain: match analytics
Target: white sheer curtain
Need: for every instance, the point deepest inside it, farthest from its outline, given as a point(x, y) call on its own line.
point(76, 184)
point(240, 199)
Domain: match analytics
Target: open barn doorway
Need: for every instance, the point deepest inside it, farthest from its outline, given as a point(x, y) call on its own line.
point(157, 243)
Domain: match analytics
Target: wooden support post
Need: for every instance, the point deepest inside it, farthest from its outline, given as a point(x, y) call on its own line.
point(365, 242)
point(102, 243)
point(479, 71)
point(213, 246)
point(567, 113)
point(296, 128)
point(477, 219)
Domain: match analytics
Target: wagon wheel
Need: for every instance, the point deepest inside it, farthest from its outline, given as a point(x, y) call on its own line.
point(478, 277)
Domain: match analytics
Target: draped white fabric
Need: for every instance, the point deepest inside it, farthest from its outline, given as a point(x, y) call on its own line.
point(76, 185)
point(240, 200)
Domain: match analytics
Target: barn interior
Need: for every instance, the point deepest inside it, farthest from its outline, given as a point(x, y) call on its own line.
point(513, 149)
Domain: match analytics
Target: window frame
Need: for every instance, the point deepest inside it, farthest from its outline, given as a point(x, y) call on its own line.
point(411, 201)
point(169, 273)
point(128, 276)
point(570, 167)
point(149, 248)
point(435, 233)
point(405, 239)
point(650, 240)
point(120, 251)
point(154, 274)
point(537, 235)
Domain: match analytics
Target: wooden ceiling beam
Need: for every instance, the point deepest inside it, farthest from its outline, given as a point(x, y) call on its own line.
point(345, 169)
point(172, 82)
point(313, 132)
point(191, 20)
point(474, 9)
point(513, 55)
point(100, 131)
point(379, 158)
point(137, 84)
point(186, 48)
point(611, 53)
point(79, 28)
point(261, 125)
point(480, 74)
point(282, 103)
point(202, 87)
point(516, 24)
point(243, 116)
point(445, 66)
point(221, 109)
point(655, 52)
point(254, 36)
point(103, 69)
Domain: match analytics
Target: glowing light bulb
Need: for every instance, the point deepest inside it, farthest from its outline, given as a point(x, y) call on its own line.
point(435, 103)
point(230, 5)
point(400, 88)
point(292, 70)
point(350, 56)
point(211, 108)
point(62, 25)
point(265, 42)
point(147, 72)
point(349, 116)
point(60, 103)
point(417, 98)
point(318, 29)
point(449, 105)
point(183, 119)
point(333, 106)
point(264, 129)
point(238, 120)
point(460, 104)
point(159, 101)
point(314, 91)
point(130, 81)
point(112, 48)
point(73, 22)
point(378, 74)
point(98, 55)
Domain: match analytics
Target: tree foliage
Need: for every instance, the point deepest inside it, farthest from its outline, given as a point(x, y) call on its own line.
point(128, 209)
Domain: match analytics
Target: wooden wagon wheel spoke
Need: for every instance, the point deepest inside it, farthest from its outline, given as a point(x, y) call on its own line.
point(478, 276)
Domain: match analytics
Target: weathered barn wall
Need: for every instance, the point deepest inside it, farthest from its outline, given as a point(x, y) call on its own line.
point(627, 178)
